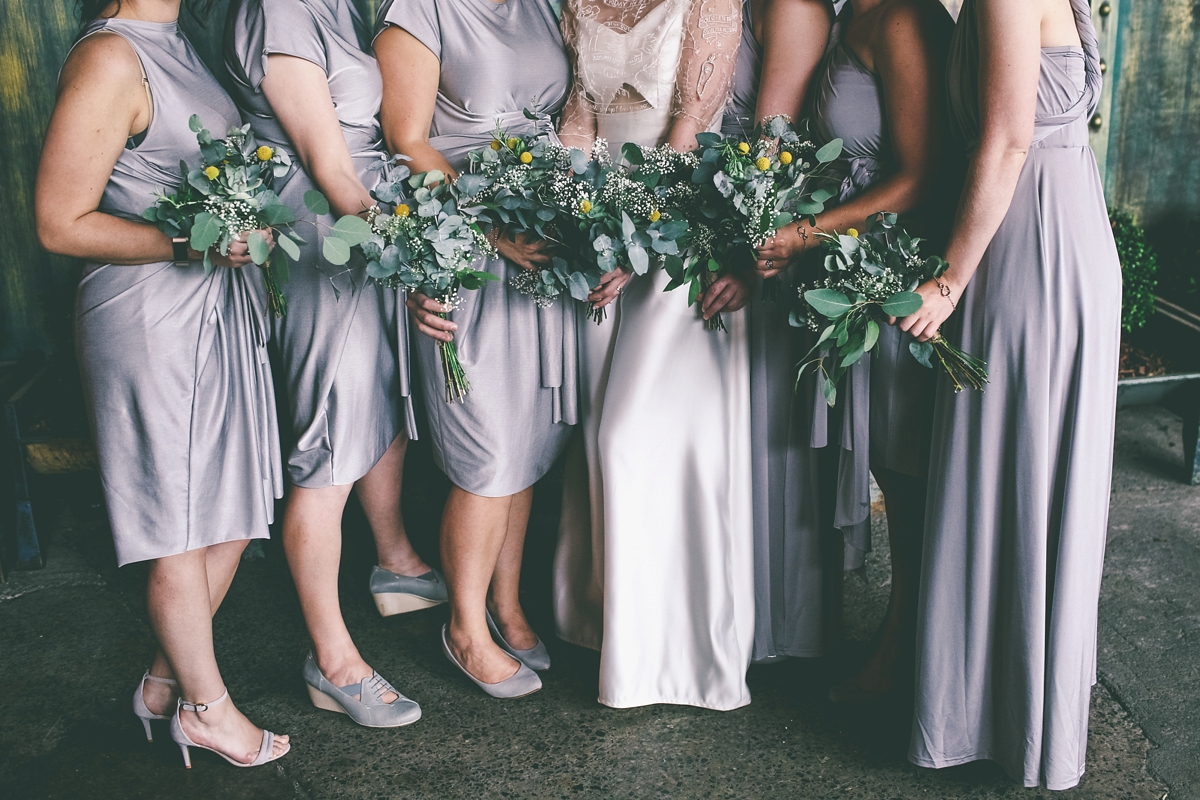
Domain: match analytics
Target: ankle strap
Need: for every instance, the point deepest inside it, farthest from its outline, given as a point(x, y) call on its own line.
point(198, 707)
point(156, 679)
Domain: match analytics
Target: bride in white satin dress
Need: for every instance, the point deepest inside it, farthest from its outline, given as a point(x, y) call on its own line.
point(655, 565)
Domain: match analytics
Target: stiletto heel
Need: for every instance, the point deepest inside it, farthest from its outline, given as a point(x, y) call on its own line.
point(184, 741)
point(139, 703)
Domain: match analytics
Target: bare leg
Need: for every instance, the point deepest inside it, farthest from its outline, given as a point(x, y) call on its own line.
point(474, 530)
point(179, 599)
point(312, 540)
point(891, 662)
point(221, 563)
point(379, 493)
point(504, 595)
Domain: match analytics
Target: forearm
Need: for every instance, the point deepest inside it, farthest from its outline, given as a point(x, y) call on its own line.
point(682, 136)
point(578, 127)
point(342, 188)
point(991, 181)
point(105, 239)
point(899, 194)
point(423, 156)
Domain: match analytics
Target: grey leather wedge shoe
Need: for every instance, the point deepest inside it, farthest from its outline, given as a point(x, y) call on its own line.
point(535, 657)
point(524, 681)
point(368, 709)
point(399, 594)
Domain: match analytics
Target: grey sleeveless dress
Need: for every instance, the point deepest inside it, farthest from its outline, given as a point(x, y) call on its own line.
point(343, 345)
point(1018, 501)
point(174, 362)
point(496, 60)
point(787, 554)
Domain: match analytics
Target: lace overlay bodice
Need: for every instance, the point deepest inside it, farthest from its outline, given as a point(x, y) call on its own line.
point(632, 55)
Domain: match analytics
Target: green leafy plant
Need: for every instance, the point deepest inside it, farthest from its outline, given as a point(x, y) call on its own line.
point(1139, 271)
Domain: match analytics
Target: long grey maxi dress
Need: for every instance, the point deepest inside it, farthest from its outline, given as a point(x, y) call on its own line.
point(343, 345)
point(787, 553)
point(174, 362)
point(1018, 501)
point(497, 59)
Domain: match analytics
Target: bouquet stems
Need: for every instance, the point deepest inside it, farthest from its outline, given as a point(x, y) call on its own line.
point(275, 298)
point(596, 315)
point(964, 369)
point(457, 385)
point(772, 288)
point(713, 323)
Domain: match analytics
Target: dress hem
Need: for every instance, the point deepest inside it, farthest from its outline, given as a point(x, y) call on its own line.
point(625, 704)
point(123, 563)
point(932, 763)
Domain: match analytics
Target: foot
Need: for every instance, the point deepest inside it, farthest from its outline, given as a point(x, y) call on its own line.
point(159, 697)
point(225, 729)
point(483, 658)
point(350, 671)
point(404, 561)
point(513, 626)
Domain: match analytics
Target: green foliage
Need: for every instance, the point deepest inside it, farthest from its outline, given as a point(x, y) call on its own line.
point(1139, 271)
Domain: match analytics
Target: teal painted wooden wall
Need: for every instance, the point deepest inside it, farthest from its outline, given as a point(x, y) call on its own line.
point(1154, 139)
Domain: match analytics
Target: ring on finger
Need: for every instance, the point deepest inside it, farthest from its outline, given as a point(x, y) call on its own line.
point(770, 264)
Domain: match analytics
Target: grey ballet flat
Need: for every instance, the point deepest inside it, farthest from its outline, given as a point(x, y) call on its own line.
point(524, 682)
point(535, 657)
point(399, 594)
point(368, 709)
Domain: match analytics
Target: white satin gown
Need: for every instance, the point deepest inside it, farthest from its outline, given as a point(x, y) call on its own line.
point(655, 558)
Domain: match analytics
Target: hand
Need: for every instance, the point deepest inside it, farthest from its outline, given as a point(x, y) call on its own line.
point(935, 309)
point(728, 293)
point(425, 312)
point(524, 250)
point(609, 287)
point(239, 252)
point(779, 250)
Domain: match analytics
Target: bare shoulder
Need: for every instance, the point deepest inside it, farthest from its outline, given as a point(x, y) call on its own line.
point(102, 61)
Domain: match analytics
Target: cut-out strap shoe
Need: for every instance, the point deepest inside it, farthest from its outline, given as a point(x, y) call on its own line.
point(368, 709)
point(139, 703)
point(184, 741)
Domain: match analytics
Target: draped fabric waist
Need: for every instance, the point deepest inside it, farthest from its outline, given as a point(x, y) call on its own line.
point(859, 173)
point(1070, 131)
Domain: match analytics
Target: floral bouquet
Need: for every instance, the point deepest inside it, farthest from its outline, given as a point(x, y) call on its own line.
point(228, 193)
point(430, 250)
point(751, 190)
point(870, 276)
point(525, 185)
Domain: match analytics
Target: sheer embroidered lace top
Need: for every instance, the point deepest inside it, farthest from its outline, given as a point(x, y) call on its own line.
point(632, 55)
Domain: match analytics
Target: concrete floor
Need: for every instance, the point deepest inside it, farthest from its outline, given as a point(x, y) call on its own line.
point(74, 637)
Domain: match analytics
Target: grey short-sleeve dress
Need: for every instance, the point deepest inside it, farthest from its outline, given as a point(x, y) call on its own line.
point(343, 345)
point(174, 362)
point(497, 59)
point(788, 607)
point(1019, 474)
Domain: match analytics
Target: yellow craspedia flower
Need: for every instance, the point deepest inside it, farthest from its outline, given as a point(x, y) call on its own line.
point(264, 153)
point(513, 142)
point(852, 232)
point(211, 173)
point(785, 158)
point(585, 206)
point(496, 145)
point(402, 210)
point(763, 163)
point(743, 148)
point(526, 157)
point(655, 216)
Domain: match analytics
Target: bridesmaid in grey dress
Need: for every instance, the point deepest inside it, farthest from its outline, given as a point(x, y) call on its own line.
point(782, 41)
point(301, 76)
point(173, 361)
point(878, 88)
point(1018, 501)
point(452, 72)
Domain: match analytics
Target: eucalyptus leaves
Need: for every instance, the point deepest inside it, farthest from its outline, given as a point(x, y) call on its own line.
point(871, 276)
point(229, 194)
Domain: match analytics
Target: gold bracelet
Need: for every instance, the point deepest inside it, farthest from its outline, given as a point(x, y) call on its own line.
point(944, 290)
point(803, 236)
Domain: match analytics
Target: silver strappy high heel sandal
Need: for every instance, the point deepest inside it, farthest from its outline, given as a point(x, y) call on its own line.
point(184, 741)
point(139, 703)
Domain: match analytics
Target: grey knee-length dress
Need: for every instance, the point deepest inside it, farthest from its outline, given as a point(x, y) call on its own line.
point(497, 59)
point(787, 553)
point(1018, 501)
point(343, 346)
point(173, 361)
